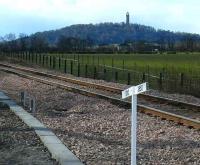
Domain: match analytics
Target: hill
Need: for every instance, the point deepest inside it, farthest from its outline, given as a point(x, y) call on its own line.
point(115, 33)
point(105, 37)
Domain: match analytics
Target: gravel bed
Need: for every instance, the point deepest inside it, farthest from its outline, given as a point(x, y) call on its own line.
point(98, 132)
point(175, 96)
point(18, 143)
point(190, 113)
point(88, 88)
point(178, 110)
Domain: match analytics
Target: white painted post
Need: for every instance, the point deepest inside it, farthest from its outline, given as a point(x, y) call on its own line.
point(133, 92)
point(134, 130)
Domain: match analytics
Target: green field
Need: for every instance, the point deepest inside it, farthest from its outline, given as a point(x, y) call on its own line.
point(168, 72)
point(153, 63)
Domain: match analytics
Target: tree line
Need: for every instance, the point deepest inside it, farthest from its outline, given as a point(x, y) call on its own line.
point(105, 37)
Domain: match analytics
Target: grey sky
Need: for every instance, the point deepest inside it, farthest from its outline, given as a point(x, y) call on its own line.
point(30, 16)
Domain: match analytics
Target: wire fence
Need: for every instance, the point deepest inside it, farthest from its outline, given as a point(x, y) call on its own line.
point(163, 81)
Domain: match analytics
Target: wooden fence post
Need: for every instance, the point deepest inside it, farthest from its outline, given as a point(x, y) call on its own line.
point(160, 80)
point(116, 76)
point(129, 79)
point(98, 61)
point(50, 61)
point(54, 62)
point(143, 77)
point(65, 66)
point(43, 57)
point(59, 61)
point(71, 67)
point(95, 72)
point(86, 70)
point(78, 69)
point(47, 60)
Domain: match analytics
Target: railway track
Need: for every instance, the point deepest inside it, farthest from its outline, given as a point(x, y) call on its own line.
point(37, 76)
point(103, 87)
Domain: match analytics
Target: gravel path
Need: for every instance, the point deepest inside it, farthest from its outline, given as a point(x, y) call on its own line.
point(19, 144)
point(99, 132)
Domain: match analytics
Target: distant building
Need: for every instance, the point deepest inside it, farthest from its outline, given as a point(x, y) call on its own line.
point(127, 18)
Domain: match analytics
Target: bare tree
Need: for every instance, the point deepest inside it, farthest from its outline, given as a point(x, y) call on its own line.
point(10, 37)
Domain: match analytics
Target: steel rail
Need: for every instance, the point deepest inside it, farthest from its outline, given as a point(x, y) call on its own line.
point(141, 108)
point(104, 87)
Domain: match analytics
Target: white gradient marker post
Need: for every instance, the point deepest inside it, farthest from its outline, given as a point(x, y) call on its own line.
point(134, 91)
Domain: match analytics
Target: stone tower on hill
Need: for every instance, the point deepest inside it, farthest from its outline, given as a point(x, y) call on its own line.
point(127, 18)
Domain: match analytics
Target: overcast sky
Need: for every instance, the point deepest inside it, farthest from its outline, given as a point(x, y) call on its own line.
point(30, 16)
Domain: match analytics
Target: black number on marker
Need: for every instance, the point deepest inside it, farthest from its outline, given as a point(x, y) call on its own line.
point(140, 88)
